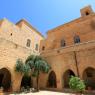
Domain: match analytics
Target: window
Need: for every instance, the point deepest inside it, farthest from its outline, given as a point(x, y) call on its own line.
point(76, 39)
point(43, 48)
point(28, 42)
point(87, 13)
point(36, 47)
point(63, 43)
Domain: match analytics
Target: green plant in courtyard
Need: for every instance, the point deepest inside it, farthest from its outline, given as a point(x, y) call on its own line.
point(21, 67)
point(76, 84)
point(26, 69)
point(37, 65)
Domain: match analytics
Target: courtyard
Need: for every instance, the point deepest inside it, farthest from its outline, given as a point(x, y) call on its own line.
point(44, 93)
point(59, 58)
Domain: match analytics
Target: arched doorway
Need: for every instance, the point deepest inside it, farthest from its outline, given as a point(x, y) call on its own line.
point(5, 79)
point(89, 77)
point(51, 83)
point(26, 82)
point(66, 78)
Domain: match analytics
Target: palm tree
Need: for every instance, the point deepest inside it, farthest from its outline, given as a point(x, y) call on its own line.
point(19, 66)
point(37, 65)
point(22, 68)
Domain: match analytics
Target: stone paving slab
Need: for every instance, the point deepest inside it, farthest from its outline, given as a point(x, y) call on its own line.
point(44, 93)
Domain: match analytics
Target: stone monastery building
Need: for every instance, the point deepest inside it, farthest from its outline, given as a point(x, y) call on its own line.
point(16, 41)
point(69, 49)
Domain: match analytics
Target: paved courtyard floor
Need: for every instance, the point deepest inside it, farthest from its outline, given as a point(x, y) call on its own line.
point(44, 93)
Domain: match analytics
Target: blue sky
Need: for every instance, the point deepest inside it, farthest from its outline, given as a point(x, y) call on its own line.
point(43, 14)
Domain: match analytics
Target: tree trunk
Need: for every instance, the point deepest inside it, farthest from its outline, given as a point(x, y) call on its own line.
point(37, 79)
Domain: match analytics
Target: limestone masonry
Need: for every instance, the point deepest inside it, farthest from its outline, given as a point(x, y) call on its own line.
point(69, 49)
point(16, 41)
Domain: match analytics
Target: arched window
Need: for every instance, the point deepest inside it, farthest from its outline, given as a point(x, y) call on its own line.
point(63, 43)
point(28, 43)
point(76, 39)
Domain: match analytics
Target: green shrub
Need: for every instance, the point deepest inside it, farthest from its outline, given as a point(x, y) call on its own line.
point(76, 84)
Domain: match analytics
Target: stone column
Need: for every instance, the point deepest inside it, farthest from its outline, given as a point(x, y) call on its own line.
point(16, 82)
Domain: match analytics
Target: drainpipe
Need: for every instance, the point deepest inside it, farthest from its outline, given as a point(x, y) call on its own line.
point(76, 62)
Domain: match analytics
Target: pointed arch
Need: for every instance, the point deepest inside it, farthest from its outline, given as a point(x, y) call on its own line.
point(66, 76)
point(89, 77)
point(51, 83)
point(5, 79)
point(26, 82)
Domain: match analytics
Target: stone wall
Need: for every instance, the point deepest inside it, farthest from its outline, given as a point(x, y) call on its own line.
point(9, 53)
point(74, 57)
point(20, 34)
point(84, 27)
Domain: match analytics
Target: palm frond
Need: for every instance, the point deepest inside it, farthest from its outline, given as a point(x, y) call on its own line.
point(26, 69)
point(38, 64)
point(19, 66)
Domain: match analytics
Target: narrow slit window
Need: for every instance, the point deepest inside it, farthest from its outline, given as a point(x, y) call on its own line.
point(63, 43)
point(43, 48)
point(28, 43)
